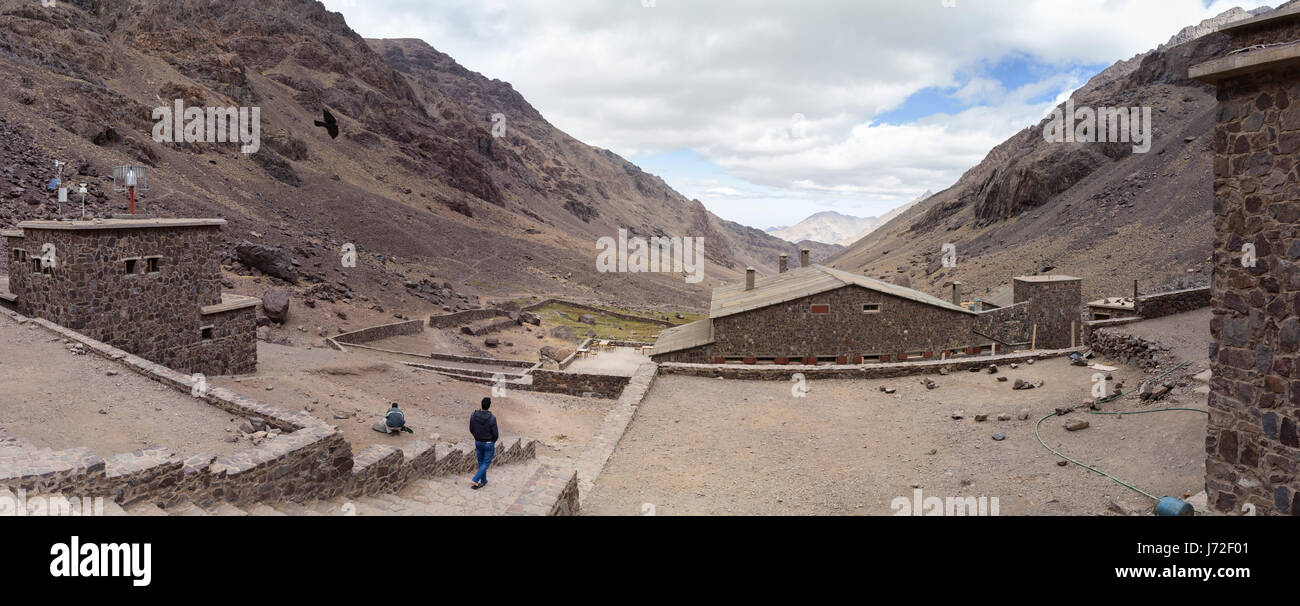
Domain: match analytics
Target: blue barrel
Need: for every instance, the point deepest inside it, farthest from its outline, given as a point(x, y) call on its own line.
point(1169, 506)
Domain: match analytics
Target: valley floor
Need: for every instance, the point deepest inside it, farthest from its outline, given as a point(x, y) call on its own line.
point(711, 447)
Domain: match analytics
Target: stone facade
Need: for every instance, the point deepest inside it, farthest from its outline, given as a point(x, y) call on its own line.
point(1055, 310)
point(790, 331)
point(1253, 437)
point(152, 288)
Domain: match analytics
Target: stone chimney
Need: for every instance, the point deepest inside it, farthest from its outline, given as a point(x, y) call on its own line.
point(784, 263)
point(803, 257)
point(956, 293)
point(749, 278)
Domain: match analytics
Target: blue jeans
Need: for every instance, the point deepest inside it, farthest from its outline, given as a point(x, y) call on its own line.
point(485, 451)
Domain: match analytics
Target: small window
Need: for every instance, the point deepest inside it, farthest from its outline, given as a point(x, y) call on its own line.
point(206, 333)
point(129, 268)
point(152, 265)
point(20, 255)
point(870, 308)
point(36, 266)
point(820, 309)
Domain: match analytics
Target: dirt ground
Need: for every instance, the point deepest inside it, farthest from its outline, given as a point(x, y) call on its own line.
point(360, 385)
point(52, 398)
point(1187, 335)
point(712, 447)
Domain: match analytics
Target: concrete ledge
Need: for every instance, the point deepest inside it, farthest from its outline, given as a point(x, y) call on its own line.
point(1243, 63)
point(230, 302)
point(868, 371)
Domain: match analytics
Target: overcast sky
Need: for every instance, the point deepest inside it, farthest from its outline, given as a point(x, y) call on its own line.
point(771, 110)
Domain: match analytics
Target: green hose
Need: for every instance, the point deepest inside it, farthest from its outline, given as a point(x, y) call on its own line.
point(1136, 412)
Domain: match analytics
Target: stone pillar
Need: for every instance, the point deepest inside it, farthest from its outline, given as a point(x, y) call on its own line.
point(783, 263)
point(1252, 442)
point(750, 274)
point(803, 257)
point(956, 293)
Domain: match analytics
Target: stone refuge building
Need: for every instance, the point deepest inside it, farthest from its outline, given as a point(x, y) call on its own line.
point(148, 286)
point(1252, 441)
point(815, 314)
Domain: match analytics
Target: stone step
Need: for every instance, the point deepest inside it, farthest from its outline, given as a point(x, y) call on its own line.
point(417, 507)
point(111, 508)
point(262, 509)
point(187, 509)
point(225, 509)
point(145, 508)
point(295, 509)
point(370, 506)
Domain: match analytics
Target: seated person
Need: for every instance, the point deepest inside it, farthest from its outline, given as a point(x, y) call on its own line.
point(394, 421)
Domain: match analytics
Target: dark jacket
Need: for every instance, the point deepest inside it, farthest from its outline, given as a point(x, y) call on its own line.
point(483, 426)
point(395, 418)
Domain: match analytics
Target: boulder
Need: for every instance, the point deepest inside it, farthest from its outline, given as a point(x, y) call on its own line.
point(587, 319)
point(491, 342)
point(275, 304)
point(270, 261)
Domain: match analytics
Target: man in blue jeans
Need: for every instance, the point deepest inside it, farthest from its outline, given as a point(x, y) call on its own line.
point(483, 426)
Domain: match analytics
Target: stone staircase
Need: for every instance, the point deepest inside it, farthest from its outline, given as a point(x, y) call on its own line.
point(439, 496)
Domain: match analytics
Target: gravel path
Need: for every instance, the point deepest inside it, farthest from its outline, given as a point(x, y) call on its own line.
point(713, 447)
point(52, 398)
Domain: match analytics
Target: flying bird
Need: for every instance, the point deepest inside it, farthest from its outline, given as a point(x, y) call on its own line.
point(331, 125)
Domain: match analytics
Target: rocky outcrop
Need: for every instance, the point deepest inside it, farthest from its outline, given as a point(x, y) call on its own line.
point(270, 261)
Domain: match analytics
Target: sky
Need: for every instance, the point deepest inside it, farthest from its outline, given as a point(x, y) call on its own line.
point(768, 111)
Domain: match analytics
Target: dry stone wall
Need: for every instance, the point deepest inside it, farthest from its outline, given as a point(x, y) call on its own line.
point(1170, 303)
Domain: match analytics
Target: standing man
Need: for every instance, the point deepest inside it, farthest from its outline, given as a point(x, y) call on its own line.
point(483, 426)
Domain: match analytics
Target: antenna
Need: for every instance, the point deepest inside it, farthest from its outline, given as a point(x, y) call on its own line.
point(82, 191)
point(130, 179)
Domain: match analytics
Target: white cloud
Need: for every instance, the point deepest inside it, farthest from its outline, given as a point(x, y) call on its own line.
point(724, 77)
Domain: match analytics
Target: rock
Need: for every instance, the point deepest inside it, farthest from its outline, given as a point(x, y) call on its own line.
point(980, 418)
point(341, 415)
point(958, 415)
point(1023, 414)
point(491, 342)
point(1002, 379)
point(275, 304)
point(1030, 361)
point(943, 371)
point(258, 423)
point(1060, 412)
point(890, 391)
point(1076, 425)
point(268, 260)
point(993, 369)
point(1006, 416)
point(263, 333)
point(998, 437)
point(587, 319)
point(1015, 366)
point(247, 427)
point(933, 451)
point(1062, 463)
point(111, 373)
point(930, 384)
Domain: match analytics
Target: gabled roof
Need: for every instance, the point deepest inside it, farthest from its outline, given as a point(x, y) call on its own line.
point(806, 281)
point(685, 336)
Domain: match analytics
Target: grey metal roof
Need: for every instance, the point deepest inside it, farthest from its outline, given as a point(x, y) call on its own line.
point(685, 336)
point(806, 281)
point(1002, 297)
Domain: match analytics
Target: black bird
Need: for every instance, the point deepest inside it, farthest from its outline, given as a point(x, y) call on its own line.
point(331, 125)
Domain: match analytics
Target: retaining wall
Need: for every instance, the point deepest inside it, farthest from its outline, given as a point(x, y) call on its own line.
point(1170, 303)
point(376, 333)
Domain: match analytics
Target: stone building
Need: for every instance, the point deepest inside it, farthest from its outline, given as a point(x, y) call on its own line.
point(817, 314)
point(1253, 438)
point(149, 286)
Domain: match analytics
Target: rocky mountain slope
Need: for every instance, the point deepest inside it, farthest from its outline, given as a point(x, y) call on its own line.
point(827, 227)
point(416, 180)
point(1098, 211)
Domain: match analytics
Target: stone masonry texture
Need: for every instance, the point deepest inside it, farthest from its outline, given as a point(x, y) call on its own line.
point(1253, 437)
point(156, 315)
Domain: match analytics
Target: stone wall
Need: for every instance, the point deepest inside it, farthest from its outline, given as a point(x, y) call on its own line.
point(311, 460)
point(595, 455)
point(1090, 327)
point(465, 317)
point(1253, 437)
point(577, 384)
point(1055, 310)
point(597, 310)
point(1136, 351)
point(1170, 303)
point(155, 315)
point(549, 492)
point(1012, 325)
point(377, 333)
point(479, 329)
